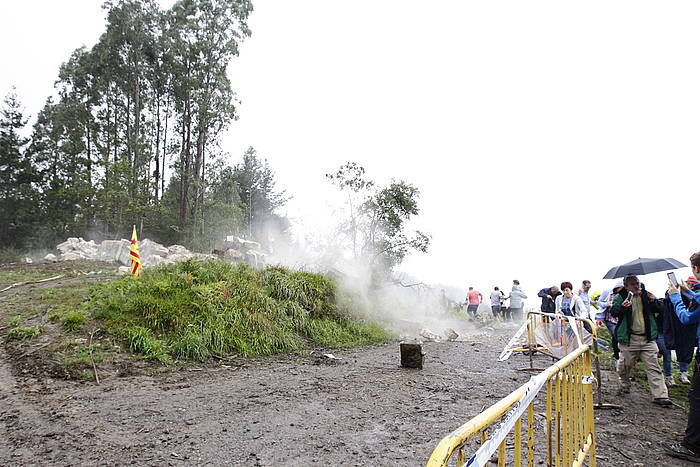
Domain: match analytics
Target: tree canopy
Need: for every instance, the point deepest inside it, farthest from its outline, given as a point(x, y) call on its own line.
point(132, 135)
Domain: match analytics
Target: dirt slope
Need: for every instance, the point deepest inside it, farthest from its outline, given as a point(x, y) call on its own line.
point(300, 410)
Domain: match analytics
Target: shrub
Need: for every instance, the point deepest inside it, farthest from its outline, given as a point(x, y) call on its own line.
point(141, 340)
point(73, 320)
point(202, 308)
point(23, 332)
point(11, 255)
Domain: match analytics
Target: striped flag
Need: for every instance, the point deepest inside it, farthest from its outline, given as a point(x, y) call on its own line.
point(135, 258)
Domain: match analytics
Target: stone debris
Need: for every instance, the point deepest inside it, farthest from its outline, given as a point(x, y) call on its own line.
point(429, 335)
point(450, 334)
point(117, 251)
point(233, 256)
point(234, 250)
point(238, 250)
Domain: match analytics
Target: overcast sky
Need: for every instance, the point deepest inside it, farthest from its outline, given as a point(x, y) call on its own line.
point(550, 140)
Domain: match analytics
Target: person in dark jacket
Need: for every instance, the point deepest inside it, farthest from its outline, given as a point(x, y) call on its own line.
point(636, 310)
point(548, 295)
point(689, 448)
point(679, 337)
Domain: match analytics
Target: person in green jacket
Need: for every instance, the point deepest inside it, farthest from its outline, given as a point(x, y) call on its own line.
point(635, 308)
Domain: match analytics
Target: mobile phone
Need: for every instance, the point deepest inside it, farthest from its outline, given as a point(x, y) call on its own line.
point(629, 296)
point(672, 277)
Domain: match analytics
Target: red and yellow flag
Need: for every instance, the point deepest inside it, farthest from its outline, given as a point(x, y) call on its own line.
point(135, 258)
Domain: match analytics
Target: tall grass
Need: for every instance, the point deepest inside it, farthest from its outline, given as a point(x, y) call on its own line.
point(193, 310)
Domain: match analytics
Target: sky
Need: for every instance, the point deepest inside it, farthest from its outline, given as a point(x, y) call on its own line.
point(550, 140)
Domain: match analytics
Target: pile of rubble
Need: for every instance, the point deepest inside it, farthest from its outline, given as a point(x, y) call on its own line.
point(429, 336)
point(117, 251)
point(235, 249)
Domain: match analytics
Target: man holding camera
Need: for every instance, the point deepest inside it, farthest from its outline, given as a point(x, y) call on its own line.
point(689, 448)
point(635, 308)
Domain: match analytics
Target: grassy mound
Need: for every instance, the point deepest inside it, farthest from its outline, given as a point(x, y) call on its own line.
point(193, 310)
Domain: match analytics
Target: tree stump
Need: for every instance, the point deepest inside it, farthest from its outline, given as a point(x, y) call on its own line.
point(412, 355)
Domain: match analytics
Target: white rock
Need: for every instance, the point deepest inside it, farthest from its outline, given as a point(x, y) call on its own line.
point(178, 257)
point(122, 270)
point(177, 250)
point(150, 248)
point(115, 251)
point(68, 245)
point(50, 257)
point(233, 255)
point(153, 261)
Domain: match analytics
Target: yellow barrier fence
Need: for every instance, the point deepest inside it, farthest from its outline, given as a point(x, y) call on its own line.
point(569, 432)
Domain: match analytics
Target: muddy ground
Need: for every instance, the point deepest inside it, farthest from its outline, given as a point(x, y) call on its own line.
point(298, 410)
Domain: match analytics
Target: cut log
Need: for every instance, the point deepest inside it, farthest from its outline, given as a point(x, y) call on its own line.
point(412, 355)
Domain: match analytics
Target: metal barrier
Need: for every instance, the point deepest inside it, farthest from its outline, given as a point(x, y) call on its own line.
point(581, 323)
point(569, 431)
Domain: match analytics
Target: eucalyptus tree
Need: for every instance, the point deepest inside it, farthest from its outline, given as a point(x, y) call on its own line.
point(204, 36)
point(18, 175)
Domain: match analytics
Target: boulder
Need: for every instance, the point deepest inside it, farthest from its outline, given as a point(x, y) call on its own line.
point(68, 245)
point(150, 248)
point(234, 256)
point(430, 336)
point(115, 251)
point(177, 250)
point(123, 270)
point(152, 261)
point(450, 334)
point(50, 257)
point(87, 250)
point(172, 258)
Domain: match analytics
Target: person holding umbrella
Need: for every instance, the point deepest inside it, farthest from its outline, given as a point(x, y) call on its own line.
point(636, 308)
point(689, 448)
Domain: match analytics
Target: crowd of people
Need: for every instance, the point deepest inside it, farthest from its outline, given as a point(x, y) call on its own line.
point(514, 310)
point(642, 327)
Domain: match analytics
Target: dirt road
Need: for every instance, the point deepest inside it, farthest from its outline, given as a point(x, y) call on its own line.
point(297, 410)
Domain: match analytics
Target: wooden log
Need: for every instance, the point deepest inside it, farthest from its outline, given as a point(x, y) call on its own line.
point(411, 355)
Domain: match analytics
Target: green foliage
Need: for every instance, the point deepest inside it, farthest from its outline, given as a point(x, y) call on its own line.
point(141, 340)
point(85, 356)
point(14, 320)
point(193, 310)
point(376, 225)
point(133, 135)
point(11, 255)
point(73, 320)
point(23, 332)
point(18, 176)
point(342, 333)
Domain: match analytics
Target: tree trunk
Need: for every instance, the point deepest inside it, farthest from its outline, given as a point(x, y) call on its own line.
point(165, 146)
point(156, 174)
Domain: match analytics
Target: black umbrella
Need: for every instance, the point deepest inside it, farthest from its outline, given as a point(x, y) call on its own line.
point(641, 266)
